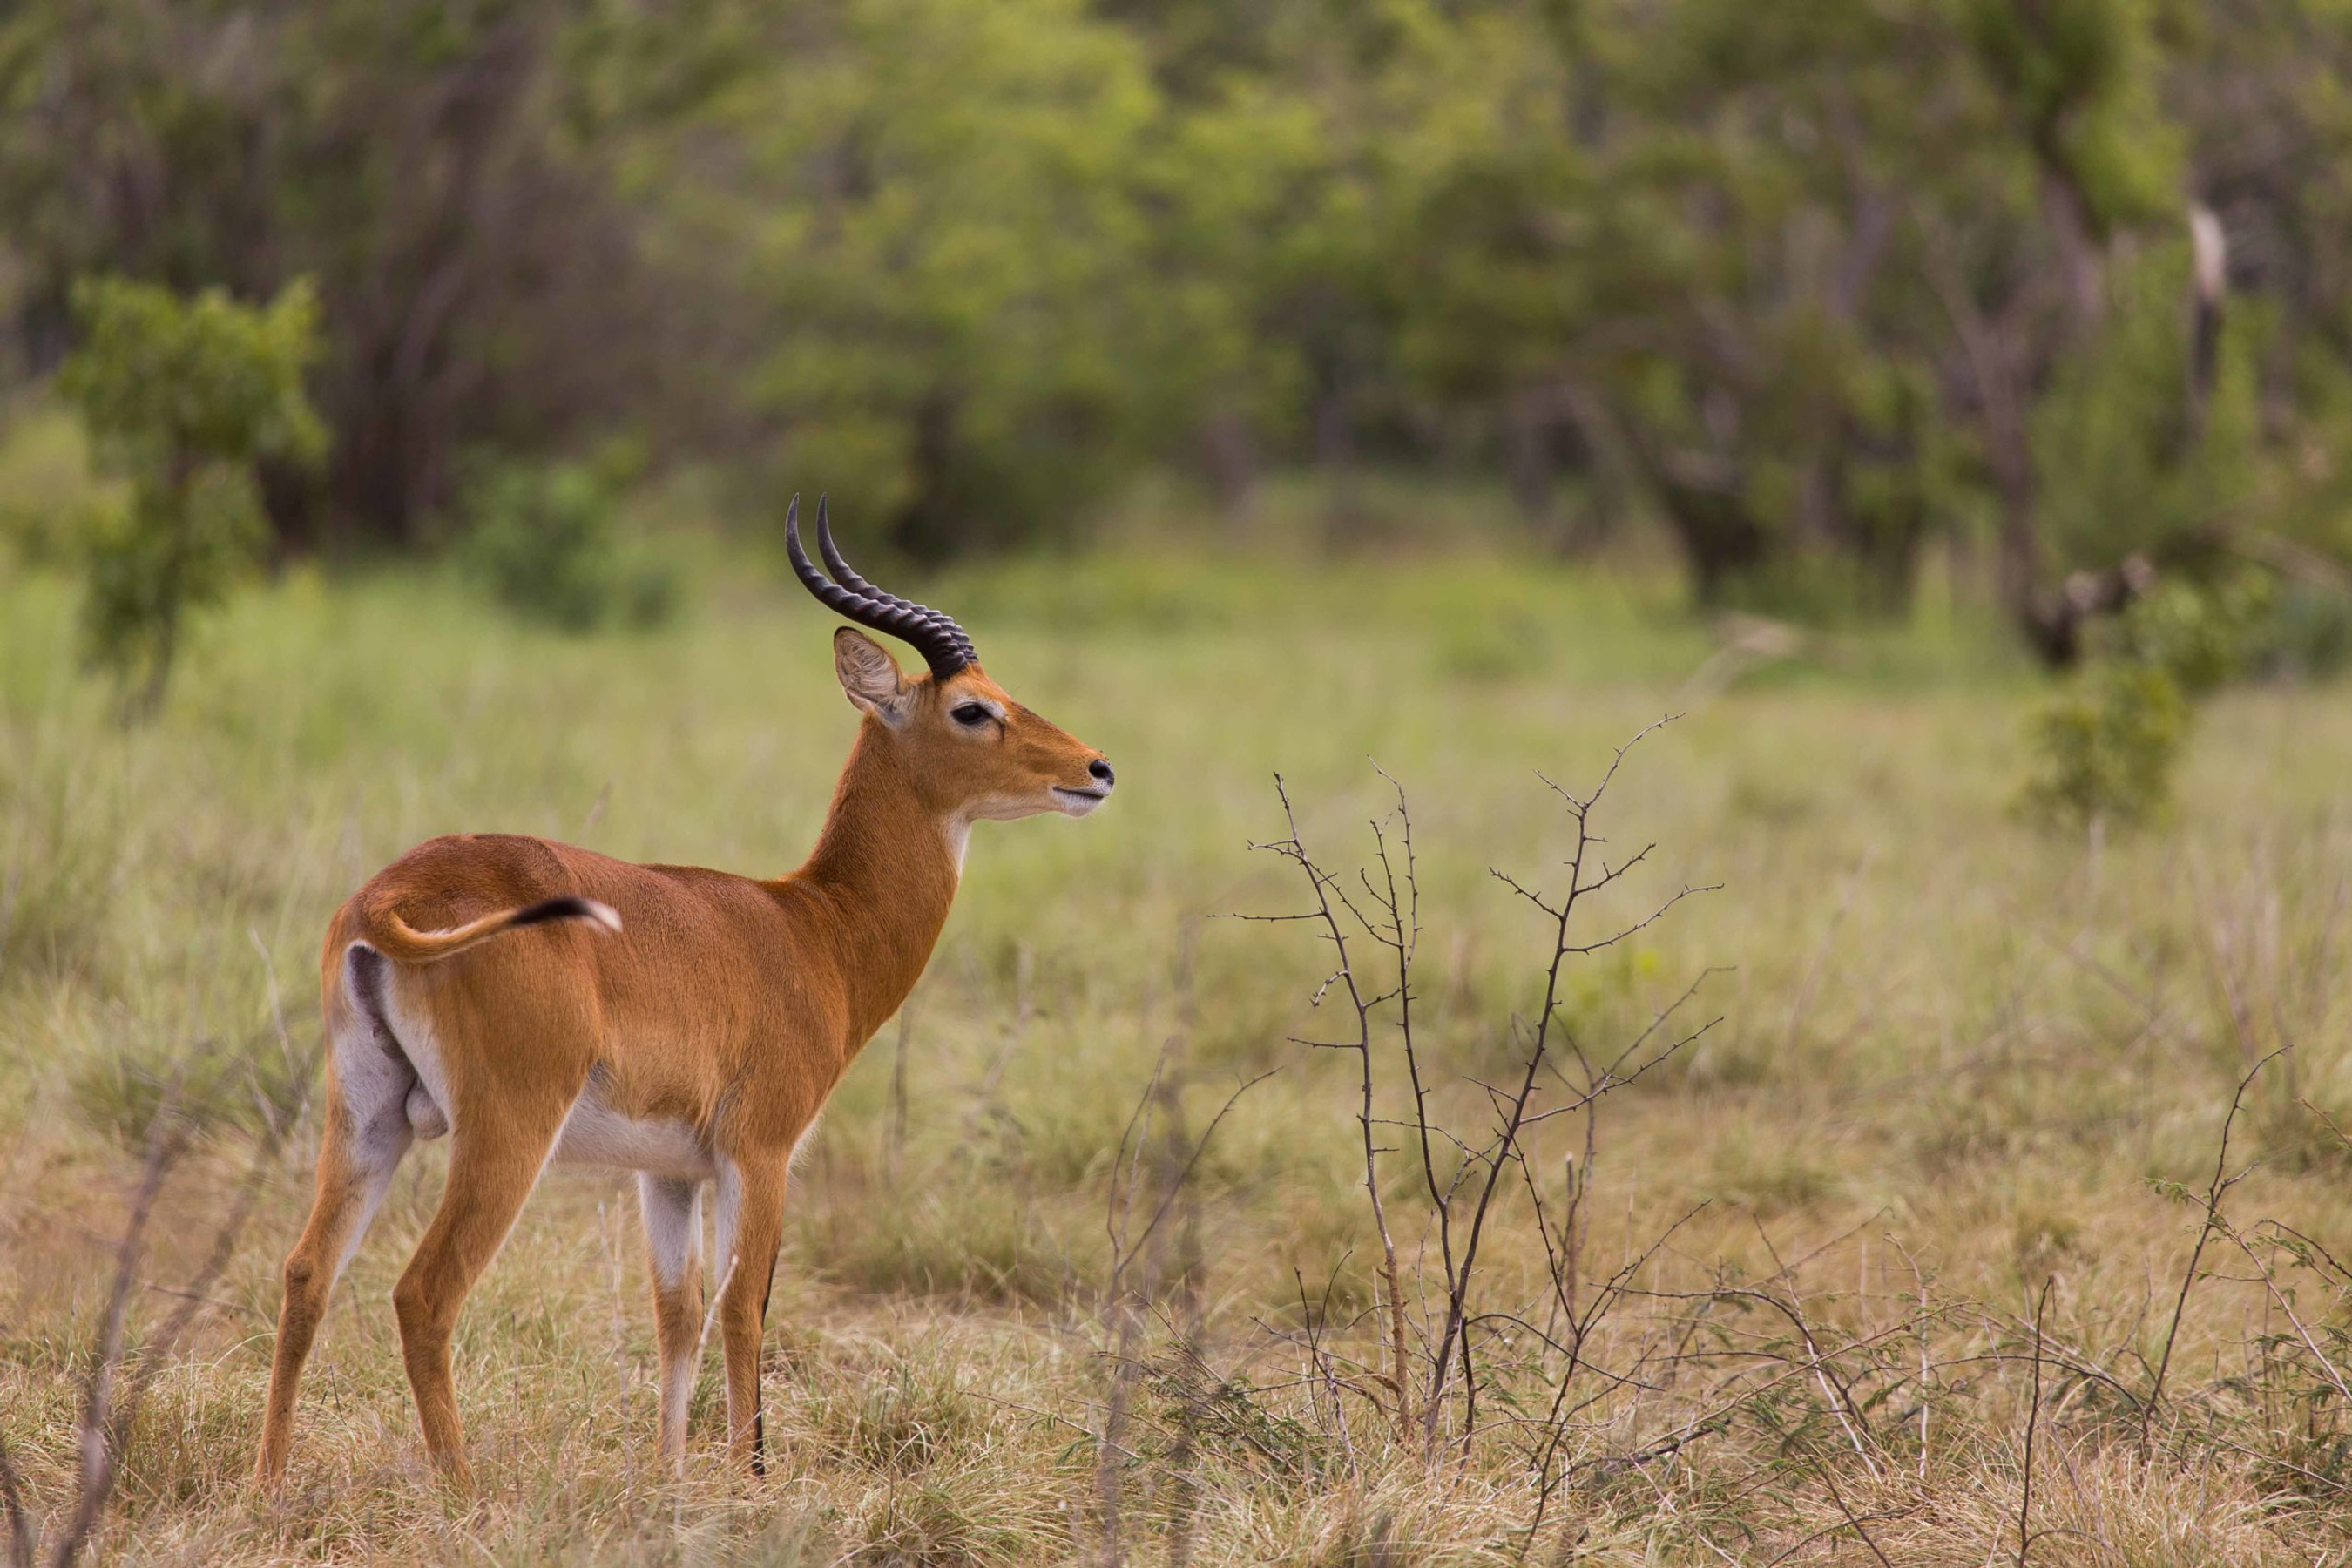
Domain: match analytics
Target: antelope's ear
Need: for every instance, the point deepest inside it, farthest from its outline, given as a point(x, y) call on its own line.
point(870, 675)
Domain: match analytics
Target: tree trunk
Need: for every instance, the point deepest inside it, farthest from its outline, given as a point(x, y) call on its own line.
point(1334, 453)
point(1229, 457)
point(1610, 482)
point(1527, 429)
point(2079, 253)
point(2209, 285)
point(928, 527)
point(1721, 538)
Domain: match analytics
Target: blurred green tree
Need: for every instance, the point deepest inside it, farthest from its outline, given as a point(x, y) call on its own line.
point(184, 396)
point(437, 171)
point(941, 203)
point(1809, 288)
point(1682, 235)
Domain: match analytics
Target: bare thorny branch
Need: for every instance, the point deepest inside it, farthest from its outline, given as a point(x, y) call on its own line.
point(2215, 1190)
point(121, 1376)
point(1437, 1407)
point(1362, 1005)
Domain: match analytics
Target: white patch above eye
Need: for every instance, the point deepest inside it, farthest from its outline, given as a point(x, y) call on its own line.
point(956, 708)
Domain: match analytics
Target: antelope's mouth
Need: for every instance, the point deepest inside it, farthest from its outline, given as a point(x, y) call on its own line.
point(1078, 802)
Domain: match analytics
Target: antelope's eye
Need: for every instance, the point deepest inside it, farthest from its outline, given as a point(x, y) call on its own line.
point(971, 713)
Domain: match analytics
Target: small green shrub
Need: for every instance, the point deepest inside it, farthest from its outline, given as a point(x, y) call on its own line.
point(546, 540)
point(2104, 746)
point(182, 397)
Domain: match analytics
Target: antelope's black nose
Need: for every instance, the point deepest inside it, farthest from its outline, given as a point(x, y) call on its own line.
point(1101, 771)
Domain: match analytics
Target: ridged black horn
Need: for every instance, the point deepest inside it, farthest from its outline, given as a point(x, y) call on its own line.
point(941, 642)
point(848, 576)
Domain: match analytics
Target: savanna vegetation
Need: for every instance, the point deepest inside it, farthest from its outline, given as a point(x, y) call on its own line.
point(1362, 422)
point(1928, 1203)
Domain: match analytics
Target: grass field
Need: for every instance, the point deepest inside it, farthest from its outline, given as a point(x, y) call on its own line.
point(1958, 1066)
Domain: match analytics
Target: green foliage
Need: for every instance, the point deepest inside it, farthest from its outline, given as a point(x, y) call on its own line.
point(1814, 288)
point(1638, 250)
point(436, 169)
point(2117, 465)
point(2079, 77)
point(546, 540)
point(2201, 635)
point(183, 397)
point(2105, 747)
point(952, 234)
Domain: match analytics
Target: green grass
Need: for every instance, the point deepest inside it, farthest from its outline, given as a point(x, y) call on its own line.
point(1946, 1041)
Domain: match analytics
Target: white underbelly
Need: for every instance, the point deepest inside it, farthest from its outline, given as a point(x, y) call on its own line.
point(592, 1134)
point(597, 1134)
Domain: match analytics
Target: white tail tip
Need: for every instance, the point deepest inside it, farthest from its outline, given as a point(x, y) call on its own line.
point(604, 915)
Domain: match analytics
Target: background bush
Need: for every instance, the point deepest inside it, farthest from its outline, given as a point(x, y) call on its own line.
point(545, 540)
point(2106, 744)
point(2105, 747)
point(182, 397)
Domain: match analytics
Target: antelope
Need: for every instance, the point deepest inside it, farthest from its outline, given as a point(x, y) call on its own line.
point(538, 1003)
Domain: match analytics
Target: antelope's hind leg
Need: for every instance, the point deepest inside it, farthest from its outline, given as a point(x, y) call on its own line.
point(367, 1132)
point(498, 1149)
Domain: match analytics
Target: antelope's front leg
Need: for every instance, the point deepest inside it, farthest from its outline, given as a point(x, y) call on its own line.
point(673, 1216)
point(751, 1221)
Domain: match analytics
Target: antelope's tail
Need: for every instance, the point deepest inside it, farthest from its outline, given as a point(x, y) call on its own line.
point(396, 939)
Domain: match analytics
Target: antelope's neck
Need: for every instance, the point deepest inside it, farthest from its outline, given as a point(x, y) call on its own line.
point(885, 870)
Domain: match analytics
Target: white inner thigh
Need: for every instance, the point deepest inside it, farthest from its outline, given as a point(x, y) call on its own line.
point(375, 1087)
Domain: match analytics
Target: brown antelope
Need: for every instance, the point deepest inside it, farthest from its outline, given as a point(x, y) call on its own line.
point(538, 1002)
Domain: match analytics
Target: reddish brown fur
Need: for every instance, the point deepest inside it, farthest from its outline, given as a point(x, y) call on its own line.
point(727, 1003)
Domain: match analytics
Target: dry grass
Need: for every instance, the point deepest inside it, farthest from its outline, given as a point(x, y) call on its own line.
point(1959, 1061)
